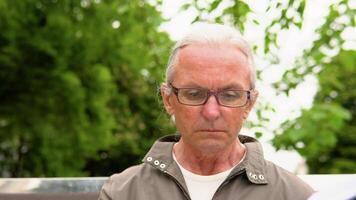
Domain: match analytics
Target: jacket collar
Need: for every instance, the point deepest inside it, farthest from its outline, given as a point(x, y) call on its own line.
point(160, 157)
point(254, 163)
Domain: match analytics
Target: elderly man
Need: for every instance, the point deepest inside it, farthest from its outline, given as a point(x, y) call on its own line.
point(209, 92)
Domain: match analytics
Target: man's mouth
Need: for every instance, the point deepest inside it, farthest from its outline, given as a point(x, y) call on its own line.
point(212, 130)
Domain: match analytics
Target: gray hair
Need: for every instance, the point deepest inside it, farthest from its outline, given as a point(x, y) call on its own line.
point(204, 33)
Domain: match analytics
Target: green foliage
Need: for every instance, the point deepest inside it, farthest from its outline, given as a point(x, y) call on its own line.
point(325, 134)
point(283, 22)
point(329, 39)
point(313, 133)
point(77, 78)
point(235, 13)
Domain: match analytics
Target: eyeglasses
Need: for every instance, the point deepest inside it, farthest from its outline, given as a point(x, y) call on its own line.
point(199, 96)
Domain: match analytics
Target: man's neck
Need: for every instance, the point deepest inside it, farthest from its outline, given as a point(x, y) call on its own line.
point(208, 163)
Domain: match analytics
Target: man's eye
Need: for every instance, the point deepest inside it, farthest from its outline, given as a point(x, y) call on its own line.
point(193, 93)
point(230, 95)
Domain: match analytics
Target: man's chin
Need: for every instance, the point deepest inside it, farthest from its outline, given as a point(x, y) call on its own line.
point(212, 133)
point(212, 143)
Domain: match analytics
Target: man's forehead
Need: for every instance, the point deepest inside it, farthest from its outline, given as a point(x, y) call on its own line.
point(212, 56)
point(225, 65)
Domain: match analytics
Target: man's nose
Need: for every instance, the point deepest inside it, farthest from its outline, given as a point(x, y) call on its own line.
point(211, 109)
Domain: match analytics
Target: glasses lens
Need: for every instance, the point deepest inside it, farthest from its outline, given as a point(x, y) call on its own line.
point(192, 96)
point(232, 98)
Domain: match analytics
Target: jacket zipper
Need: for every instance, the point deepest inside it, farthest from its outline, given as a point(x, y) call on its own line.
point(179, 185)
point(227, 180)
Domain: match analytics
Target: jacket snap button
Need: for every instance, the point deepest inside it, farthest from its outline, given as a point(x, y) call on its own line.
point(156, 162)
point(162, 166)
point(254, 176)
point(149, 159)
point(261, 177)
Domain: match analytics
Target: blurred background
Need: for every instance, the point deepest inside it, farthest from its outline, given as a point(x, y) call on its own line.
point(79, 81)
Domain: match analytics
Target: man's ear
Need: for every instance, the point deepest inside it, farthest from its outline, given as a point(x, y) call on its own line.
point(250, 104)
point(166, 98)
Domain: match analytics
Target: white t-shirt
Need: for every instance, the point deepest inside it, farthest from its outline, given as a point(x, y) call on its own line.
point(203, 187)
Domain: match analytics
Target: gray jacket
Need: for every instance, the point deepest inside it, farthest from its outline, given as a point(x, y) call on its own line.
point(159, 177)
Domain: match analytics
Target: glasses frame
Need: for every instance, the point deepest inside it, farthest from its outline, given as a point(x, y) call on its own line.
point(209, 94)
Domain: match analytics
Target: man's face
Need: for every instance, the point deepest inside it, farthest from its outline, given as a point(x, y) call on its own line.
point(210, 126)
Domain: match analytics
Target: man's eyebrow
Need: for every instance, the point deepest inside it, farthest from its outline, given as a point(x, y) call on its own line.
point(234, 86)
point(192, 85)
